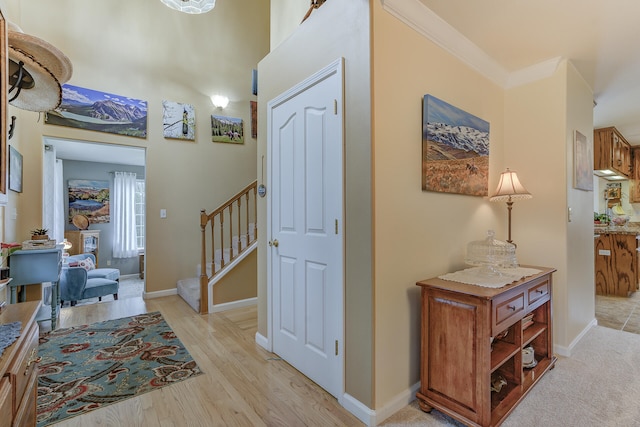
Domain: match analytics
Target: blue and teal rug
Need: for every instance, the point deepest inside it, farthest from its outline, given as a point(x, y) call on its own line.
point(91, 366)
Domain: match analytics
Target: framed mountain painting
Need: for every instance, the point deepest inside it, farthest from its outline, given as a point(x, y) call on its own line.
point(455, 149)
point(100, 111)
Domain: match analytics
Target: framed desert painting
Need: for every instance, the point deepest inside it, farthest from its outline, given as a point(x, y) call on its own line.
point(455, 149)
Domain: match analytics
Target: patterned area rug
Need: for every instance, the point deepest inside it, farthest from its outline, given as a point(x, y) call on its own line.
point(91, 366)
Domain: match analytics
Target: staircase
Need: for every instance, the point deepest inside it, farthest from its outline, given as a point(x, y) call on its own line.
point(229, 234)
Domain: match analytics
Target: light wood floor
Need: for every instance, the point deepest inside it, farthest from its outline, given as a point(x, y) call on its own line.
point(242, 384)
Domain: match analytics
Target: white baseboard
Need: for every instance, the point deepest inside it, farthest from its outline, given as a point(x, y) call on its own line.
point(159, 294)
point(358, 409)
point(234, 304)
point(262, 341)
point(129, 276)
point(566, 351)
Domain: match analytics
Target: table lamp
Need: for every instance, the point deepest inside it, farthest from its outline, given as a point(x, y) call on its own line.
point(510, 189)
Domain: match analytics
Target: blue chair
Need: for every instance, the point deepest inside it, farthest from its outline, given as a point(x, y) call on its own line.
point(75, 285)
point(104, 273)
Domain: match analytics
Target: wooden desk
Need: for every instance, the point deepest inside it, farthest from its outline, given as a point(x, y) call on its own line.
point(29, 267)
point(18, 373)
point(459, 355)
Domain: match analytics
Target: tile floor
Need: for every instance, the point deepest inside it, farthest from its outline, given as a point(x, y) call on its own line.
point(619, 312)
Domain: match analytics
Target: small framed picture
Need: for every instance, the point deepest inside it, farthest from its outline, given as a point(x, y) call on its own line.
point(582, 163)
point(15, 170)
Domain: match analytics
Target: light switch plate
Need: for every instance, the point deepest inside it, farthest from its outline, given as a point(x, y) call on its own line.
point(163, 213)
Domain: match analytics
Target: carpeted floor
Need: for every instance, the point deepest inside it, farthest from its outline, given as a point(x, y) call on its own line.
point(598, 386)
point(91, 366)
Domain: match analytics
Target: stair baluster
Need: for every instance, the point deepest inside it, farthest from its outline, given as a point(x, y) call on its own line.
point(217, 218)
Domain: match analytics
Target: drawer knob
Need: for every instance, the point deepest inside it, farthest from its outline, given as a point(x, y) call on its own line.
point(540, 291)
point(511, 307)
point(33, 358)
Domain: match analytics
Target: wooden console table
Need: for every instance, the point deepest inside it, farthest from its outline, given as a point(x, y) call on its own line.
point(459, 357)
point(18, 373)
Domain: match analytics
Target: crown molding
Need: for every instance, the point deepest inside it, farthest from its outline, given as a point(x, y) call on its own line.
point(422, 19)
point(534, 72)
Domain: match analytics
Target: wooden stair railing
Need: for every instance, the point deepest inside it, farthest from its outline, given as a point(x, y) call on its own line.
point(217, 220)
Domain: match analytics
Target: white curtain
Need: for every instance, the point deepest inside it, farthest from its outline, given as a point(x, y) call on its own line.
point(52, 195)
point(124, 215)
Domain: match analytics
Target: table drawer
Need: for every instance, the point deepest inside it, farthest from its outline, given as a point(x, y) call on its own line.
point(6, 402)
point(26, 412)
point(507, 309)
point(23, 365)
point(538, 293)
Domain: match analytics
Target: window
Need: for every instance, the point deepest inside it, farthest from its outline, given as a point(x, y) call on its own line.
point(140, 210)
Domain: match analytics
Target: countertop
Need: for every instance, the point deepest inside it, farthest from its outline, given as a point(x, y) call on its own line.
point(631, 228)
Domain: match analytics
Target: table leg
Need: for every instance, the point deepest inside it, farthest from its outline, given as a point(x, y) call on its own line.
point(14, 292)
point(54, 304)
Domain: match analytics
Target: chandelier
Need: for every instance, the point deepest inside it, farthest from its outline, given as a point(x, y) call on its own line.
point(190, 6)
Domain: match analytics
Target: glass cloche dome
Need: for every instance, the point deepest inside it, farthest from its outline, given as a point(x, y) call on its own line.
point(491, 254)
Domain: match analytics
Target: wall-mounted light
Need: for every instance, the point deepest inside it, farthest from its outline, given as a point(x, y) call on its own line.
point(219, 101)
point(190, 6)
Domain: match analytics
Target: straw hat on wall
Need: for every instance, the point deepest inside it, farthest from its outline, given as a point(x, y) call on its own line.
point(45, 69)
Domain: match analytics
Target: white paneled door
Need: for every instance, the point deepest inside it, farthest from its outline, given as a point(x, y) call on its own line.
point(305, 209)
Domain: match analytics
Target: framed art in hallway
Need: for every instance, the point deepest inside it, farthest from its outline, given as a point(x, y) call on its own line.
point(178, 120)
point(582, 163)
point(100, 111)
point(227, 129)
point(15, 170)
point(455, 149)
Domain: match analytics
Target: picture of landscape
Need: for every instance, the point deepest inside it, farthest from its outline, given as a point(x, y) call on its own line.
point(100, 111)
point(455, 150)
point(89, 198)
point(226, 129)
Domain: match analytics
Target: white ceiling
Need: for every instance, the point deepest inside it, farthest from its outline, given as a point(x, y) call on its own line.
point(96, 152)
point(600, 38)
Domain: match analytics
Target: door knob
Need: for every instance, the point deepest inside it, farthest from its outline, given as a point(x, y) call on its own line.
point(274, 243)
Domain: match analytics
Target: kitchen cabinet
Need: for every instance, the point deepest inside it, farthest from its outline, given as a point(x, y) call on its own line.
point(616, 263)
point(84, 242)
point(470, 335)
point(634, 184)
point(611, 151)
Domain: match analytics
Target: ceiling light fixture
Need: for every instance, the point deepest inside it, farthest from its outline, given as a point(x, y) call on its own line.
point(190, 6)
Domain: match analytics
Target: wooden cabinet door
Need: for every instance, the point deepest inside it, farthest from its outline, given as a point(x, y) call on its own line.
point(604, 273)
point(621, 154)
point(634, 183)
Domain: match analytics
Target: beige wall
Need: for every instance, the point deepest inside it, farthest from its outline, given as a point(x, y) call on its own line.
point(540, 120)
point(286, 16)
point(337, 29)
point(419, 234)
point(239, 283)
point(147, 51)
point(580, 301)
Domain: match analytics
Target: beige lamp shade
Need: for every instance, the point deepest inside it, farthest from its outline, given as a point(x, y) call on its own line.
point(510, 188)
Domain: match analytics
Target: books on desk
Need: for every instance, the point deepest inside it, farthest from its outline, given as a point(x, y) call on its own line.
point(38, 244)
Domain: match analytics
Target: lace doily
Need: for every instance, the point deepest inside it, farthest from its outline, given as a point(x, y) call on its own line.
point(477, 276)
